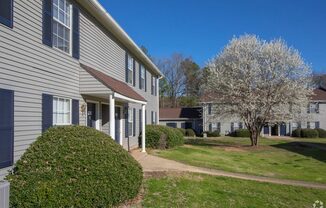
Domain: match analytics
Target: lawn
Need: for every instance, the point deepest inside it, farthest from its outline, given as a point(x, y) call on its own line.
point(279, 158)
point(195, 190)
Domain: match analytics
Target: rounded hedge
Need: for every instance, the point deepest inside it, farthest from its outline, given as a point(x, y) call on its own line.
point(309, 133)
point(183, 131)
point(162, 137)
point(74, 166)
point(241, 133)
point(321, 132)
point(213, 134)
point(296, 132)
point(190, 133)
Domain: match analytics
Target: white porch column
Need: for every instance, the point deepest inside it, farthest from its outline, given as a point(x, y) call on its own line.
point(269, 130)
point(143, 138)
point(279, 130)
point(112, 116)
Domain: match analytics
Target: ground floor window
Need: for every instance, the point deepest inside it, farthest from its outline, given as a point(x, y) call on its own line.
point(61, 111)
point(130, 121)
point(173, 125)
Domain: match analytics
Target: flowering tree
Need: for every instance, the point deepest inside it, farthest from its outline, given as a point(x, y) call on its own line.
point(259, 82)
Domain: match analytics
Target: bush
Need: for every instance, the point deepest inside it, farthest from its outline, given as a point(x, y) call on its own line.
point(183, 131)
point(309, 133)
point(190, 133)
point(162, 137)
point(241, 133)
point(296, 132)
point(321, 133)
point(213, 134)
point(74, 166)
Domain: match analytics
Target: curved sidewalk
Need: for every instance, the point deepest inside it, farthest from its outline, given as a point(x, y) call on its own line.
point(152, 163)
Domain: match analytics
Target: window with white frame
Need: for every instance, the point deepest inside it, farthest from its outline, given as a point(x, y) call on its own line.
point(130, 69)
point(62, 25)
point(130, 121)
point(153, 85)
point(61, 111)
point(313, 108)
point(295, 125)
point(142, 77)
point(153, 117)
point(236, 126)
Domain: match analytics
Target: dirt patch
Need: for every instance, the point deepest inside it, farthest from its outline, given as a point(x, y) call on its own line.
point(235, 149)
point(135, 202)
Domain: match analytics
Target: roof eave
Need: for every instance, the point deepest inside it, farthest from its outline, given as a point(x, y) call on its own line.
point(98, 11)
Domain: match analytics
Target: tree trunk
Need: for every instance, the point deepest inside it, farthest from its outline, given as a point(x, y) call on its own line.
point(254, 133)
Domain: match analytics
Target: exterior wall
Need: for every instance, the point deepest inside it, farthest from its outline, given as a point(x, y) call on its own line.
point(30, 68)
point(226, 122)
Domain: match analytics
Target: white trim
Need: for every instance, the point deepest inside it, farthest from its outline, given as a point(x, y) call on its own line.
point(143, 109)
point(70, 111)
point(117, 95)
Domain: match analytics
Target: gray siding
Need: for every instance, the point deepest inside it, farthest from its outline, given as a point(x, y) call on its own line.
point(30, 68)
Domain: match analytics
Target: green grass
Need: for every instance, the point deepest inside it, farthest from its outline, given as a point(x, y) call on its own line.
point(194, 190)
point(289, 159)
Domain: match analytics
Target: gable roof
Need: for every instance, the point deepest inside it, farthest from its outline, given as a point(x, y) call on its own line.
point(319, 94)
point(95, 9)
point(113, 84)
point(180, 113)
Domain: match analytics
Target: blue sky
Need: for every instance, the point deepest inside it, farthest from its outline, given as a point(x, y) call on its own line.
point(201, 28)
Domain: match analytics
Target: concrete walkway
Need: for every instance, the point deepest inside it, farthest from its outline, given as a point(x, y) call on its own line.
point(152, 163)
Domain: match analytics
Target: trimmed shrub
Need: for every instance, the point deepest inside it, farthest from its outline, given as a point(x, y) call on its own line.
point(174, 136)
point(296, 132)
point(183, 131)
point(190, 133)
point(213, 134)
point(241, 133)
point(74, 166)
point(162, 137)
point(309, 133)
point(321, 133)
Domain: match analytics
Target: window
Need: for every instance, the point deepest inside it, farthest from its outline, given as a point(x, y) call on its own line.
point(209, 109)
point(153, 85)
point(313, 108)
point(142, 77)
point(216, 126)
point(61, 111)
point(173, 125)
point(311, 125)
point(295, 125)
point(130, 69)
point(153, 117)
point(130, 121)
point(236, 126)
point(62, 25)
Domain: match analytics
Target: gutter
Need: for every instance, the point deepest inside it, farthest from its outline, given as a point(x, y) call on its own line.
point(99, 12)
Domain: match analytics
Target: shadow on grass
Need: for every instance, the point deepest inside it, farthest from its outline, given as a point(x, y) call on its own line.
point(308, 149)
point(213, 143)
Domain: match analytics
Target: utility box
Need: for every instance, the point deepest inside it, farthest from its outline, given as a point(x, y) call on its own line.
point(4, 194)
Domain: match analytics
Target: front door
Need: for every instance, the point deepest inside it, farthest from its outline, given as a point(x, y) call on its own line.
point(117, 124)
point(91, 115)
point(283, 129)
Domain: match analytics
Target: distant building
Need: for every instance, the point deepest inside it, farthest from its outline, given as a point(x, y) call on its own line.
point(186, 118)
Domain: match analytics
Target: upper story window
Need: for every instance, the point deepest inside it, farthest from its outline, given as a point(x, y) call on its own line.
point(62, 10)
point(209, 109)
point(61, 111)
point(153, 85)
point(130, 69)
point(142, 77)
point(313, 108)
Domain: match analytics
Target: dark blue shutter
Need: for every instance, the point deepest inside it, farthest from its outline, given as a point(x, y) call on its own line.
point(210, 127)
point(232, 127)
point(126, 123)
point(152, 117)
point(47, 22)
point(6, 128)
point(145, 117)
point(134, 73)
point(6, 12)
point(47, 111)
point(75, 112)
point(140, 85)
point(134, 122)
point(155, 86)
point(152, 89)
point(126, 67)
point(317, 125)
point(145, 80)
point(75, 32)
point(140, 121)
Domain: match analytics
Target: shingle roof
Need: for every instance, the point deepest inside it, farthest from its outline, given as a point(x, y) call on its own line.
point(319, 94)
point(179, 113)
point(113, 84)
